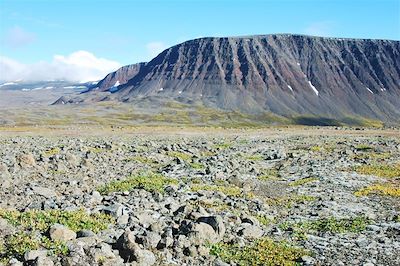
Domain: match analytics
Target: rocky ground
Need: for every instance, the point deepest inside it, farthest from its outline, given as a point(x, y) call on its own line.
point(237, 199)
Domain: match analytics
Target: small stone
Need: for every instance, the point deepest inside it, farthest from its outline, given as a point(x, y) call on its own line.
point(61, 232)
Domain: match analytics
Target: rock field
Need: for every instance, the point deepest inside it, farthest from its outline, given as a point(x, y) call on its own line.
point(200, 200)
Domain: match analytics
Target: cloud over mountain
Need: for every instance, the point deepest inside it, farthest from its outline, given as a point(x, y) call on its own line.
point(77, 66)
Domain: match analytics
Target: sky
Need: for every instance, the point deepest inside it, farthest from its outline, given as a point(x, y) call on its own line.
point(86, 39)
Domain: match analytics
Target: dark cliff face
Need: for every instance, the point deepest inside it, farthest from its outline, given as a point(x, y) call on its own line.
point(283, 74)
point(119, 77)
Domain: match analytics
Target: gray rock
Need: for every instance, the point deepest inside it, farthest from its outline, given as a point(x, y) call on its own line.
point(250, 231)
point(33, 254)
point(61, 232)
point(202, 233)
point(6, 228)
point(151, 239)
point(216, 222)
point(43, 261)
point(130, 250)
point(45, 192)
point(115, 210)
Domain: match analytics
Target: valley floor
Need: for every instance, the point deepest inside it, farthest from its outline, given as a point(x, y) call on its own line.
point(199, 196)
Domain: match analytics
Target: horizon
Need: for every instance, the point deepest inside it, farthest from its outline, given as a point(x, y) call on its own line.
point(47, 40)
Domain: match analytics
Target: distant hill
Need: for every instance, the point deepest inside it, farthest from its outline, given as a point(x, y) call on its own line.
point(287, 75)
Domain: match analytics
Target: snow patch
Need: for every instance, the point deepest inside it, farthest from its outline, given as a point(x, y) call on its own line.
point(117, 83)
point(75, 87)
point(290, 88)
point(314, 89)
point(8, 83)
point(25, 89)
point(370, 90)
point(298, 63)
point(161, 89)
point(383, 89)
point(179, 92)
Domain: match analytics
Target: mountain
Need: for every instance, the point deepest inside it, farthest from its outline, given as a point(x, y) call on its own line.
point(119, 77)
point(287, 75)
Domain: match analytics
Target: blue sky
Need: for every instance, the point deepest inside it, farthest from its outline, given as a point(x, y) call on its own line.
point(126, 32)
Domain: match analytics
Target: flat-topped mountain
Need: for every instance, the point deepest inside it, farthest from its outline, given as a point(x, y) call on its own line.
point(283, 74)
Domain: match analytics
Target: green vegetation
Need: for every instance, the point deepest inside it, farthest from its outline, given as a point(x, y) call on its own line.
point(96, 150)
point(197, 166)
point(375, 156)
point(384, 189)
point(43, 220)
point(264, 220)
point(40, 221)
point(364, 147)
point(150, 182)
point(303, 181)
point(222, 146)
point(256, 157)
point(269, 174)
point(263, 251)
point(288, 201)
point(180, 155)
point(316, 148)
point(16, 245)
point(144, 160)
point(382, 170)
point(52, 152)
point(331, 225)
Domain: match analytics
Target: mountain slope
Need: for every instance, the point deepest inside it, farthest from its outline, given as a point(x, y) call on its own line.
point(119, 77)
point(284, 74)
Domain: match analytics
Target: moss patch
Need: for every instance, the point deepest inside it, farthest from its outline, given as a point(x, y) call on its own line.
point(330, 224)
point(384, 189)
point(264, 251)
point(37, 223)
point(149, 182)
point(303, 181)
point(43, 220)
point(380, 170)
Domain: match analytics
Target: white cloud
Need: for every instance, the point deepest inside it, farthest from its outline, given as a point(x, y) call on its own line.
point(154, 48)
point(321, 28)
point(17, 37)
point(78, 66)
